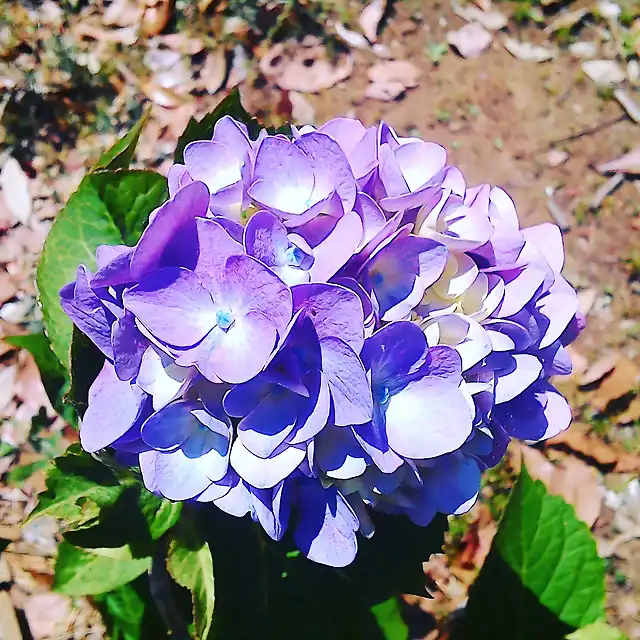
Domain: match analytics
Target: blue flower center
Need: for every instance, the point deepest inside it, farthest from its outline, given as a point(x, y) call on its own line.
point(381, 395)
point(224, 319)
point(294, 256)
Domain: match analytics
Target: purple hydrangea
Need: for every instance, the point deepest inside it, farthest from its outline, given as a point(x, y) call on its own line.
point(313, 328)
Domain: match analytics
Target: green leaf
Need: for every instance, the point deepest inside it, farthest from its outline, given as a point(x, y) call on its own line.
point(78, 487)
point(81, 572)
point(86, 362)
point(543, 576)
point(83, 224)
point(130, 196)
point(109, 207)
point(387, 615)
point(267, 577)
point(161, 514)
point(52, 373)
point(599, 630)
point(18, 475)
point(130, 613)
point(123, 612)
point(203, 129)
point(190, 564)
point(122, 152)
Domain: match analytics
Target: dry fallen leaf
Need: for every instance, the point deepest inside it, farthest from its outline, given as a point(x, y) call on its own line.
point(47, 614)
point(8, 287)
point(579, 363)
point(628, 104)
point(621, 381)
point(123, 13)
point(556, 157)
point(156, 16)
point(10, 627)
point(606, 73)
point(491, 20)
point(477, 541)
point(302, 110)
point(389, 79)
point(161, 96)
point(599, 369)
point(527, 51)
point(566, 20)
point(610, 458)
point(631, 413)
point(471, 40)
point(586, 300)
point(370, 17)
point(214, 71)
point(352, 38)
point(15, 191)
point(628, 163)
point(8, 377)
point(306, 69)
point(571, 479)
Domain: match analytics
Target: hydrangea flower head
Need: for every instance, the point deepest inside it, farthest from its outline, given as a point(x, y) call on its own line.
point(314, 328)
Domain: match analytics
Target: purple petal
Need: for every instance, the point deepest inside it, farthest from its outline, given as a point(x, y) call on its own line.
point(327, 158)
point(214, 164)
point(114, 407)
point(114, 263)
point(283, 177)
point(517, 372)
point(391, 352)
point(331, 254)
point(419, 162)
point(242, 399)
point(334, 311)
point(264, 473)
point(326, 529)
point(313, 417)
point(401, 271)
point(443, 362)
point(168, 428)
point(557, 309)
point(520, 287)
point(160, 377)
point(265, 238)
point(373, 439)
point(237, 501)
point(458, 482)
point(429, 418)
point(129, 346)
point(253, 287)
point(175, 475)
point(215, 247)
point(339, 455)
point(177, 178)
point(187, 204)
point(238, 354)
point(348, 383)
point(539, 413)
point(373, 219)
point(173, 305)
point(547, 239)
point(270, 507)
point(264, 429)
point(87, 312)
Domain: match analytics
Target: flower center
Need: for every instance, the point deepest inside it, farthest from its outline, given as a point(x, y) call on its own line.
point(294, 256)
point(224, 319)
point(381, 395)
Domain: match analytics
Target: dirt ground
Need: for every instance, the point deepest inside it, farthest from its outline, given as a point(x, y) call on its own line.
point(499, 117)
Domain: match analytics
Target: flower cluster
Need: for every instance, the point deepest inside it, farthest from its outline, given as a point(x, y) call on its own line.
point(315, 327)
